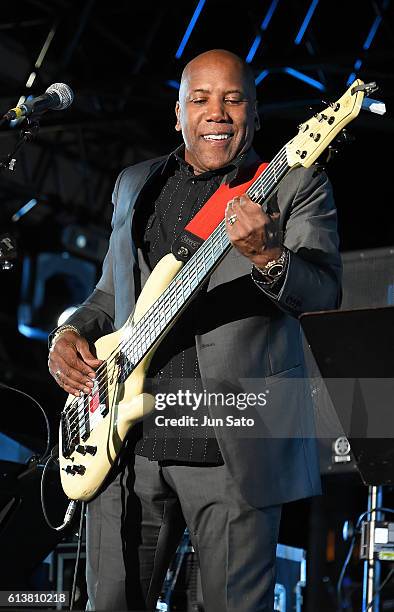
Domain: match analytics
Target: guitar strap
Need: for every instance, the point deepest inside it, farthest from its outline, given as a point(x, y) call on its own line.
point(212, 213)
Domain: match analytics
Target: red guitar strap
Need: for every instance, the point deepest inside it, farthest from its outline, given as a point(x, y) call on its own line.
point(212, 213)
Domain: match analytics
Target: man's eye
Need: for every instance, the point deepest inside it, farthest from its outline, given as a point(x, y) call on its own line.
point(199, 101)
point(232, 101)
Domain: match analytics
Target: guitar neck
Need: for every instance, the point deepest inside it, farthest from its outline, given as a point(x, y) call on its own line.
point(163, 313)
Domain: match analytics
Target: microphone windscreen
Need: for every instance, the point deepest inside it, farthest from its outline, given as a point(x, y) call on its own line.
point(64, 93)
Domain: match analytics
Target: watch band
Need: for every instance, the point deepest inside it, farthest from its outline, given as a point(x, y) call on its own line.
point(274, 269)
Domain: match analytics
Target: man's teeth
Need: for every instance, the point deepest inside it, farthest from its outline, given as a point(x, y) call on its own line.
point(217, 136)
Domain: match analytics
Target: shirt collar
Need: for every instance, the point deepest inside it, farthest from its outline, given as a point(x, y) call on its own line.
point(177, 157)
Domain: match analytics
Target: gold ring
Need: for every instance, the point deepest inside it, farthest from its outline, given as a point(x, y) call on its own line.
point(57, 374)
point(232, 219)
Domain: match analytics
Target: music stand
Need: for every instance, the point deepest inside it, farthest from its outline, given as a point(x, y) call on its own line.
point(353, 350)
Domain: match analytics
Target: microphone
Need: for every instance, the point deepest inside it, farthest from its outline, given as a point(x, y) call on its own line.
point(57, 97)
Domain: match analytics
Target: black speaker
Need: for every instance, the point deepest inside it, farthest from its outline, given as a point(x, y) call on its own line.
point(368, 281)
point(368, 278)
point(25, 538)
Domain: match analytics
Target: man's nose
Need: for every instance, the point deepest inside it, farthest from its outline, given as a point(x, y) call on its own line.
point(216, 111)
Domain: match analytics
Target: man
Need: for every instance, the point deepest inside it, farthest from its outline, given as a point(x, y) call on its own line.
point(241, 331)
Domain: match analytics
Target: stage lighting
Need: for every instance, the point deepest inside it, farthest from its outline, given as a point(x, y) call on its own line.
point(66, 314)
point(52, 283)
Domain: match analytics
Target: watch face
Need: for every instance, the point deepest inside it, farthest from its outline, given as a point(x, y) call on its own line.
point(275, 270)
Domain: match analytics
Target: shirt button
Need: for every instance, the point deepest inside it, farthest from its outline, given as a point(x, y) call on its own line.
point(194, 181)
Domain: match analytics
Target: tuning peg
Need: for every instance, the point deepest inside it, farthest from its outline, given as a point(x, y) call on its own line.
point(334, 105)
point(319, 167)
point(344, 137)
point(320, 117)
point(328, 156)
point(367, 88)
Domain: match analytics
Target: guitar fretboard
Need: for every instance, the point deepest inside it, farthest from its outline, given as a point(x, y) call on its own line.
point(189, 279)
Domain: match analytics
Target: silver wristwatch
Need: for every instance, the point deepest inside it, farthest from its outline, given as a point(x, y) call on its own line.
point(274, 268)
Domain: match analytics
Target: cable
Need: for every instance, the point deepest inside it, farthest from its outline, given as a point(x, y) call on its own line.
point(351, 547)
point(378, 509)
point(72, 506)
point(80, 531)
point(43, 412)
point(342, 574)
point(385, 581)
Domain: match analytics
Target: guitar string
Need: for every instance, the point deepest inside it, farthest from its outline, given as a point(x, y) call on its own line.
point(256, 187)
point(94, 417)
point(75, 405)
point(179, 287)
point(256, 190)
point(80, 414)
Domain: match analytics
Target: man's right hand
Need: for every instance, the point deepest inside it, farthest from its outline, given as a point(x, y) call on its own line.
point(72, 364)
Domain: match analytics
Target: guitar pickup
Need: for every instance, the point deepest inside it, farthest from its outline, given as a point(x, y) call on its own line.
point(67, 445)
point(126, 366)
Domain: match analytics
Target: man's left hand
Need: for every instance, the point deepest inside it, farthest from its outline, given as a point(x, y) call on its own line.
point(254, 233)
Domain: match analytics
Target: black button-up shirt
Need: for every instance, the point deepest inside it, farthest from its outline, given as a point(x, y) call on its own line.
point(175, 366)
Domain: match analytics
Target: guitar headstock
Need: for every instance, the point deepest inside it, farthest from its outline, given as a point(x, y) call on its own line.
point(316, 133)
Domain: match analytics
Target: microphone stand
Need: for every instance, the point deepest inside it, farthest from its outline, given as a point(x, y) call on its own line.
point(8, 250)
point(26, 134)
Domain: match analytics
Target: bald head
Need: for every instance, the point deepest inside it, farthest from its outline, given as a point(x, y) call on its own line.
point(216, 110)
point(219, 57)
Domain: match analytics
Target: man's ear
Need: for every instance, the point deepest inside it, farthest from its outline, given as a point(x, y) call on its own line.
point(177, 113)
point(257, 123)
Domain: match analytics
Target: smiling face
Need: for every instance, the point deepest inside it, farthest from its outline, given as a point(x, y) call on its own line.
point(216, 111)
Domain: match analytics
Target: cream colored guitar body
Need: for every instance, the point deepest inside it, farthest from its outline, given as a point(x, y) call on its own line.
point(83, 473)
